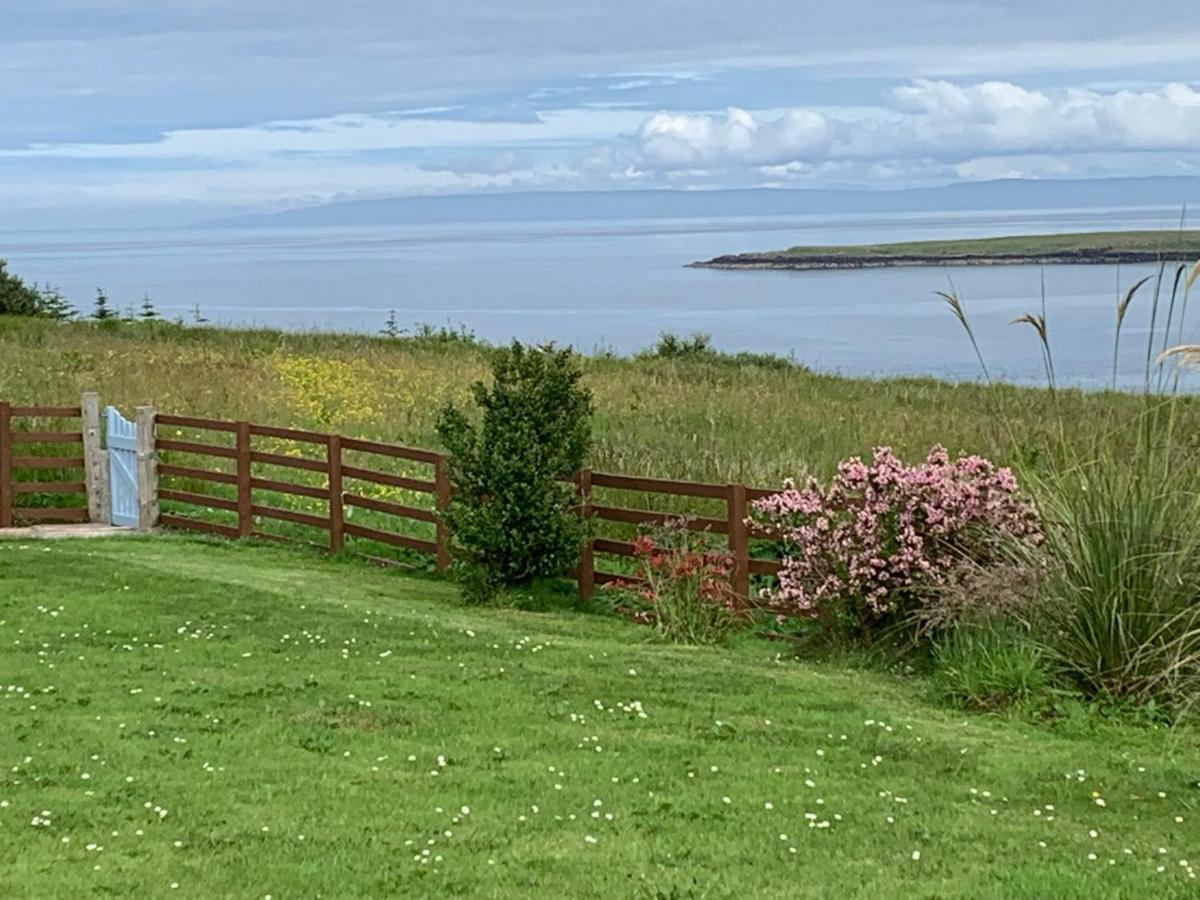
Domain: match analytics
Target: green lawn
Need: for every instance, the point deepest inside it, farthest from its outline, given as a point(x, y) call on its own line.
point(201, 719)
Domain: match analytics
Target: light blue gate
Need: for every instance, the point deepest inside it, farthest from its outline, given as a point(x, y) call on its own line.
point(122, 469)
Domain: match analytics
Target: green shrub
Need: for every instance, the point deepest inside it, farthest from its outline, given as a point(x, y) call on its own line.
point(989, 667)
point(20, 299)
point(513, 514)
point(692, 347)
point(698, 348)
point(16, 297)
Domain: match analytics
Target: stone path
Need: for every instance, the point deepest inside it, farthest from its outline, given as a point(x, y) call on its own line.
point(52, 532)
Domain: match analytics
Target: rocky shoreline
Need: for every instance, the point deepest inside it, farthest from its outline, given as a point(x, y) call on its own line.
point(1089, 257)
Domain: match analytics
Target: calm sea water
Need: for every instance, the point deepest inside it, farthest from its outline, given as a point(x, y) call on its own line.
point(618, 284)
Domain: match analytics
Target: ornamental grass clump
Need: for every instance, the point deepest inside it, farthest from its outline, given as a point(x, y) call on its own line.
point(1118, 600)
point(860, 554)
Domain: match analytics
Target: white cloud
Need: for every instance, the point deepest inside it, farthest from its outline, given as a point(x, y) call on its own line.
point(678, 141)
point(940, 119)
point(349, 133)
point(1001, 116)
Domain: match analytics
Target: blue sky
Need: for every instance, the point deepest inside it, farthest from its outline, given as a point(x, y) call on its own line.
point(138, 112)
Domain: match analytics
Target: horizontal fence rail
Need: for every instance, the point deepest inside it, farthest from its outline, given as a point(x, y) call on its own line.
point(233, 478)
point(342, 487)
point(298, 464)
point(733, 525)
point(40, 469)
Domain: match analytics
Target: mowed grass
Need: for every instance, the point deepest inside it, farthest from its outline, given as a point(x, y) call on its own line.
point(191, 718)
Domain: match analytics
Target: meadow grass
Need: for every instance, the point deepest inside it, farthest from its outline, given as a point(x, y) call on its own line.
point(711, 418)
point(194, 718)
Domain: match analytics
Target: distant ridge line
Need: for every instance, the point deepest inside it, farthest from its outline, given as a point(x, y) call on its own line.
point(1006, 194)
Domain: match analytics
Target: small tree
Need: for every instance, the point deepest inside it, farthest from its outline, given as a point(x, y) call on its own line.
point(16, 297)
point(148, 313)
point(54, 305)
point(513, 510)
point(102, 312)
point(391, 328)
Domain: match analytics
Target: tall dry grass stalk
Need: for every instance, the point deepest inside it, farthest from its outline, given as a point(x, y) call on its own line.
point(1119, 606)
point(1122, 309)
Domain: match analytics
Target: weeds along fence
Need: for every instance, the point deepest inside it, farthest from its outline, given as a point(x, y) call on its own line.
point(378, 500)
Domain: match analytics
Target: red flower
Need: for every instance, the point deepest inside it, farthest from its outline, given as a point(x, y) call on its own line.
point(643, 545)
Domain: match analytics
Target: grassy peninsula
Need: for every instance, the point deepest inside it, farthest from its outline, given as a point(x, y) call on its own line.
point(1095, 248)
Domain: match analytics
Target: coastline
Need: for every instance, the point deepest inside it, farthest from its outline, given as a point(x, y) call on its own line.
point(847, 261)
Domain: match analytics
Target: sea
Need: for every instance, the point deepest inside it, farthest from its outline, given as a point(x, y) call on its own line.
point(615, 286)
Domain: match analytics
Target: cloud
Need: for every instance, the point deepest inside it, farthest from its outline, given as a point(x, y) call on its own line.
point(929, 118)
point(343, 134)
point(1001, 116)
point(685, 141)
point(86, 69)
point(921, 131)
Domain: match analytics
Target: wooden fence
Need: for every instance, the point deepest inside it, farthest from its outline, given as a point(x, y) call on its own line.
point(339, 482)
point(217, 477)
point(733, 525)
point(25, 451)
point(330, 465)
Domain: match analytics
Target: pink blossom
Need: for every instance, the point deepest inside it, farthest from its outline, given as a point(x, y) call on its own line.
point(865, 541)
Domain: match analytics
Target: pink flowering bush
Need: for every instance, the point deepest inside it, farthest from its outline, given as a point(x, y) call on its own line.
point(859, 554)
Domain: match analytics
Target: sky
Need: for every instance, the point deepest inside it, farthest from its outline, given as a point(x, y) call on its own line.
point(147, 112)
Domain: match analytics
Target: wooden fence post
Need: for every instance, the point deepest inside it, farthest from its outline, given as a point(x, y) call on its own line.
point(95, 462)
point(147, 469)
point(739, 540)
point(337, 510)
point(442, 482)
point(6, 502)
point(586, 575)
point(243, 479)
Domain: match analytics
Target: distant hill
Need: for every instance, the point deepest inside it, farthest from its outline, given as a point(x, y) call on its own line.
point(1008, 194)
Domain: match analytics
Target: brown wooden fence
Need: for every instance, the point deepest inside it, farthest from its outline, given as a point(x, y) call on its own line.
point(731, 524)
point(217, 477)
point(24, 451)
point(336, 488)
